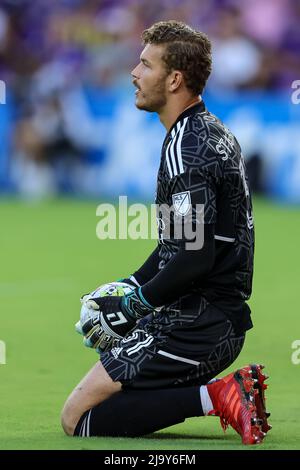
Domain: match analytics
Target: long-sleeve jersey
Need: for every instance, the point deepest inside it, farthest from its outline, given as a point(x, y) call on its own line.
point(202, 178)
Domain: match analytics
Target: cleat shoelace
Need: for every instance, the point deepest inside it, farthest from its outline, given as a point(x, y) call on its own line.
point(244, 378)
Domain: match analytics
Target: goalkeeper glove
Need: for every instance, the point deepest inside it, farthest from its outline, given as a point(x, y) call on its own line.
point(114, 317)
point(130, 280)
point(133, 305)
point(95, 336)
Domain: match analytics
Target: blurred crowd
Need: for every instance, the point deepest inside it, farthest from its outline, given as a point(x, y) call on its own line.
point(66, 64)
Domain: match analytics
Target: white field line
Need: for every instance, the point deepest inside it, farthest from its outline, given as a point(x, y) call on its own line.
point(2, 352)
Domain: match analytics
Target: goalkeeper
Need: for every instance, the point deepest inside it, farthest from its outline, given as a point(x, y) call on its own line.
point(186, 319)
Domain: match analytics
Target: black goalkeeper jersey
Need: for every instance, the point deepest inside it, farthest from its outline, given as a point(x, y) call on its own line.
point(202, 174)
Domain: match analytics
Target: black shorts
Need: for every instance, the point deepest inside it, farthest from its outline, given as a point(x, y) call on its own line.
point(188, 343)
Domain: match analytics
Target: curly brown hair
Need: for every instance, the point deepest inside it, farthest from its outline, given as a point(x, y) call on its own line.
point(186, 50)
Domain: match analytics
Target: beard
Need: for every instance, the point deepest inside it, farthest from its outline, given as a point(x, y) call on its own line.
point(153, 100)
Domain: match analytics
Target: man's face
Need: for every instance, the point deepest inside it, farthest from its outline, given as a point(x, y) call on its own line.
point(149, 76)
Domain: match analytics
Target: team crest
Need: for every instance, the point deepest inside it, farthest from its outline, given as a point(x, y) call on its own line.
point(181, 203)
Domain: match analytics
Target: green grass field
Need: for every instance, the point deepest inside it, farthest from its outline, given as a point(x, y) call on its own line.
point(50, 256)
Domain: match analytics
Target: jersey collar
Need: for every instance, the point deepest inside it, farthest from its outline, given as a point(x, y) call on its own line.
point(196, 108)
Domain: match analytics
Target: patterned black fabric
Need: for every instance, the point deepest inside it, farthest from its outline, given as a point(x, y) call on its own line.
point(202, 163)
point(187, 344)
point(202, 175)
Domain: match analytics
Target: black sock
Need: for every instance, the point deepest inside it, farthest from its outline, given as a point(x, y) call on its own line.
point(132, 413)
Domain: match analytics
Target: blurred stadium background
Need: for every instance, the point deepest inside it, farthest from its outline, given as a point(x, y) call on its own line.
point(69, 108)
point(69, 104)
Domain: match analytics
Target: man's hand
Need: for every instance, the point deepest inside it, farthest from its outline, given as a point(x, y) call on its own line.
point(95, 335)
point(114, 317)
point(130, 281)
point(132, 305)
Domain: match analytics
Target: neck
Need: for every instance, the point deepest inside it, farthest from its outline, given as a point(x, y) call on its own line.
point(172, 110)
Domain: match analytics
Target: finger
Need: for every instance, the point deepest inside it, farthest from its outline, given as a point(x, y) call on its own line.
point(96, 339)
point(78, 327)
point(84, 298)
point(90, 303)
point(90, 324)
point(105, 346)
point(88, 342)
point(92, 340)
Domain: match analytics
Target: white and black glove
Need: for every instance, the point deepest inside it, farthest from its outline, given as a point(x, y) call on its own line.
point(113, 318)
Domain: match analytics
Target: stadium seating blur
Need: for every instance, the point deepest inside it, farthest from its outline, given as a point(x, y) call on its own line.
point(67, 106)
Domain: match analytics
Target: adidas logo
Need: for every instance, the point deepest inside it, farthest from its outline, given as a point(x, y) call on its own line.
point(116, 351)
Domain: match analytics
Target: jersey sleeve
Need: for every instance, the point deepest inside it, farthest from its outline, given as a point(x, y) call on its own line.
point(193, 195)
point(149, 269)
point(185, 268)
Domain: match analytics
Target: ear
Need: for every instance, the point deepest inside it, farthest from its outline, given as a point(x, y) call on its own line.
point(175, 79)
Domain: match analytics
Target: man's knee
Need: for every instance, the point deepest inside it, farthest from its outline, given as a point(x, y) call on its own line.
point(93, 389)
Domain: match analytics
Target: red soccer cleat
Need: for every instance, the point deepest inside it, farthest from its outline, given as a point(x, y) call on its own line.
point(235, 398)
